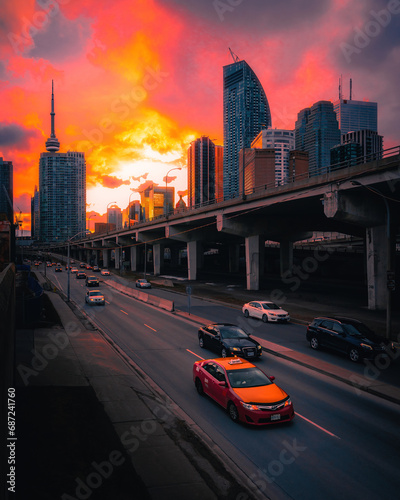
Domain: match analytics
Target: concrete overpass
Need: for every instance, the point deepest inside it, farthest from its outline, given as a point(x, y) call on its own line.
point(361, 200)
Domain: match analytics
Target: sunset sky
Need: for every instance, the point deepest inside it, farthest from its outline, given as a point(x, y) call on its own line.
point(136, 80)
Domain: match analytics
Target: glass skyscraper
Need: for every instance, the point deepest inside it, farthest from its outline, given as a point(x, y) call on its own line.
point(356, 115)
point(201, 171)
point(317, 131)
point(246, 112)
point(6, 191)
point(62, 191)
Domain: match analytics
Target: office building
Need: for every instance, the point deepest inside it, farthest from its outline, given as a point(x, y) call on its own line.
point(6, 191)
point(371, 143)
point(259, 169)
point(201, 171)
point(283, 141)
point(298, 165)
point(356, 115)
point(246, 112)
point(219, 172)
point(35, 220)
point(114, 216)
point(62, 191)
point(154, 200)
point(317, 135)
point(345, 155)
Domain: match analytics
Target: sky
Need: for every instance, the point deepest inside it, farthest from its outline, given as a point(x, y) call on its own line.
point(136, 81)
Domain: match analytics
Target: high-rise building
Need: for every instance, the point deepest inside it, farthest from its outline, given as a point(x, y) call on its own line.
point(156, 200)
point(371, 143)
point(356, 115)
point(35, 220)
point(6, 191)
point(114, 216)
point(201, 171)
point(320, 134)
point(219, 172)
point(259, 169)
point(246, 112)
point(283, 142)
point(62, 190)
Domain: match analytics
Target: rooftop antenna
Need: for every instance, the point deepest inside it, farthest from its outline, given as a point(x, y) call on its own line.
point(234, 56)
point(340, 87)
point(351, 88)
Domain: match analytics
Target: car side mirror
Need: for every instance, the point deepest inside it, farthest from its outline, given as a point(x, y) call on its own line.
point(222, 383)
point(272, 378)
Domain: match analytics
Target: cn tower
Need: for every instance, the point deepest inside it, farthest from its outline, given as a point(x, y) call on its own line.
point(52, 143)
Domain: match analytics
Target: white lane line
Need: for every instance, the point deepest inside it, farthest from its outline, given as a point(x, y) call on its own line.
point(316, 425)
point(149, 327)
point(108, 302)
point(191, 352)
point(124, 312)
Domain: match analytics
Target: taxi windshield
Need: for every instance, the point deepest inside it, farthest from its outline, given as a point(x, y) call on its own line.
point(248, 377)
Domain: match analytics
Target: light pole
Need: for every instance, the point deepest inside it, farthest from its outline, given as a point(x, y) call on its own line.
point(129, 210)
point(166, 186)
point(388, 256)
point(68, 266)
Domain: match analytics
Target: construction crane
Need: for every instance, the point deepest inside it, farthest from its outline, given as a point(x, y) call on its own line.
point(234, 56)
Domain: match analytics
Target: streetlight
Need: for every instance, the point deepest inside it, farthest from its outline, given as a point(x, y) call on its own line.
point(388, 255)
point(166, 186)
point(68, 270)
point(129, 210)
point(93, 215)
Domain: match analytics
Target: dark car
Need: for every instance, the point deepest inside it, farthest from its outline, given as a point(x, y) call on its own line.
point(58, 269)
point(92, 281)
point(228, 340)
point(80, 275)
point(96, 269)
point(82, 265)
point(348, 336)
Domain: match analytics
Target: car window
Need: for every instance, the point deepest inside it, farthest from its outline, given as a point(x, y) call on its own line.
point(220, 374)
point(248, 377)
point(232, 332)
point(211, 368)
point(327, 324)
point(270, 305)
point(337, 328)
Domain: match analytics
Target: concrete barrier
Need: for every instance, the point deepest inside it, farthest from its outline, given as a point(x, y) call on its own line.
point(167, 305)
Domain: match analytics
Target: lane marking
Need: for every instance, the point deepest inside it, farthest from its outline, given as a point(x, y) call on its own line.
point(149, 327)
point(191, 352)
point(124, 312)
point(108, 302)
point(316, 425)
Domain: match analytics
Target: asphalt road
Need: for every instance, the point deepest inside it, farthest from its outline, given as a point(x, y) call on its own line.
point(341, 444)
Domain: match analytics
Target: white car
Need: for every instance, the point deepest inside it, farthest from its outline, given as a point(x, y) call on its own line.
point(142, 283)
point(265, 310)
point(94, 297)
point(74, 270)
point(105, 272)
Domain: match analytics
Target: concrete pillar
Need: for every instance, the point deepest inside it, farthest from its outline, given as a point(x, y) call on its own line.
point(134, 258)
point(252, 262)
point(192, 260)
point(234, 251)
point(105, 258)
point(286, 257)
point(117, 251)
point(200, 255)
point(376, 255)
point(158, 258)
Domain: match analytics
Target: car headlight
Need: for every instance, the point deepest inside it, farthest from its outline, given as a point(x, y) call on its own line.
point(248, 406)
point(259, 347)
point(288, 402)
point(366, 346)
point(236, 349)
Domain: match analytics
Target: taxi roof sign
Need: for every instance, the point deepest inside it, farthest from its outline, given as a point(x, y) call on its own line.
point(235, 361)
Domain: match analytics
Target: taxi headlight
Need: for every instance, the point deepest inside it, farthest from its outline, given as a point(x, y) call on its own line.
point(248, 406)
point(366, 346)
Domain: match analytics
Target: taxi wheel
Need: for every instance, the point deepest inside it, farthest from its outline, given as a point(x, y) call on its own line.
point(201, 342)
point(233, 413)
point(265, 318)
point(199, 387)
point(246, 313)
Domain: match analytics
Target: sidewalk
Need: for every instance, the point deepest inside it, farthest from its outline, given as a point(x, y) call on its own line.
point(93, 424)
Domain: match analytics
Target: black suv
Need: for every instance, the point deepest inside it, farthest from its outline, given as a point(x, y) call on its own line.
point(348, 336)
point(92, 281)
point(228, 340)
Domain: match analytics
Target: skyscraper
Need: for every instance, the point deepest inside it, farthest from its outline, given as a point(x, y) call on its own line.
point(246, 112)
point(318, 135)
point(62, 190)
point(356, 115)
point(6, 191)
point(201, 171)
point(282, 141)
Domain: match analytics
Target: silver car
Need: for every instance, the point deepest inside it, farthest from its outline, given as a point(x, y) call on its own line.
point(265, 310)
point(94, 297)
point(142, 283)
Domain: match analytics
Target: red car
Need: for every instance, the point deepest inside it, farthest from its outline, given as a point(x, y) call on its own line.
point(244, 390)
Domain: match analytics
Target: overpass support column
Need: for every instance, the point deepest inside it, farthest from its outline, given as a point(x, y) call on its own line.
point(117, 261)
point(192, 250)
point(134, 258)
point(234, 258)
point(252, 262)
point(105, 258)
point(376, 254)
point(158, 258)
point(286, 257)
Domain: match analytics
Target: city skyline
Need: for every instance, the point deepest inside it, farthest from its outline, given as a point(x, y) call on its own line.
point(132, 94)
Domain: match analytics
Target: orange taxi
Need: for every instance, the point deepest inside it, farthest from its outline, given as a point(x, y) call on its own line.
point(249, 395)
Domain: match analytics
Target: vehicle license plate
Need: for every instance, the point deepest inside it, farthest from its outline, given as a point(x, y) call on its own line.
point(250, 353)
point(276, 416)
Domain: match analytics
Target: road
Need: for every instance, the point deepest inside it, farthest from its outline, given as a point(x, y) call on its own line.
point(342, 444)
